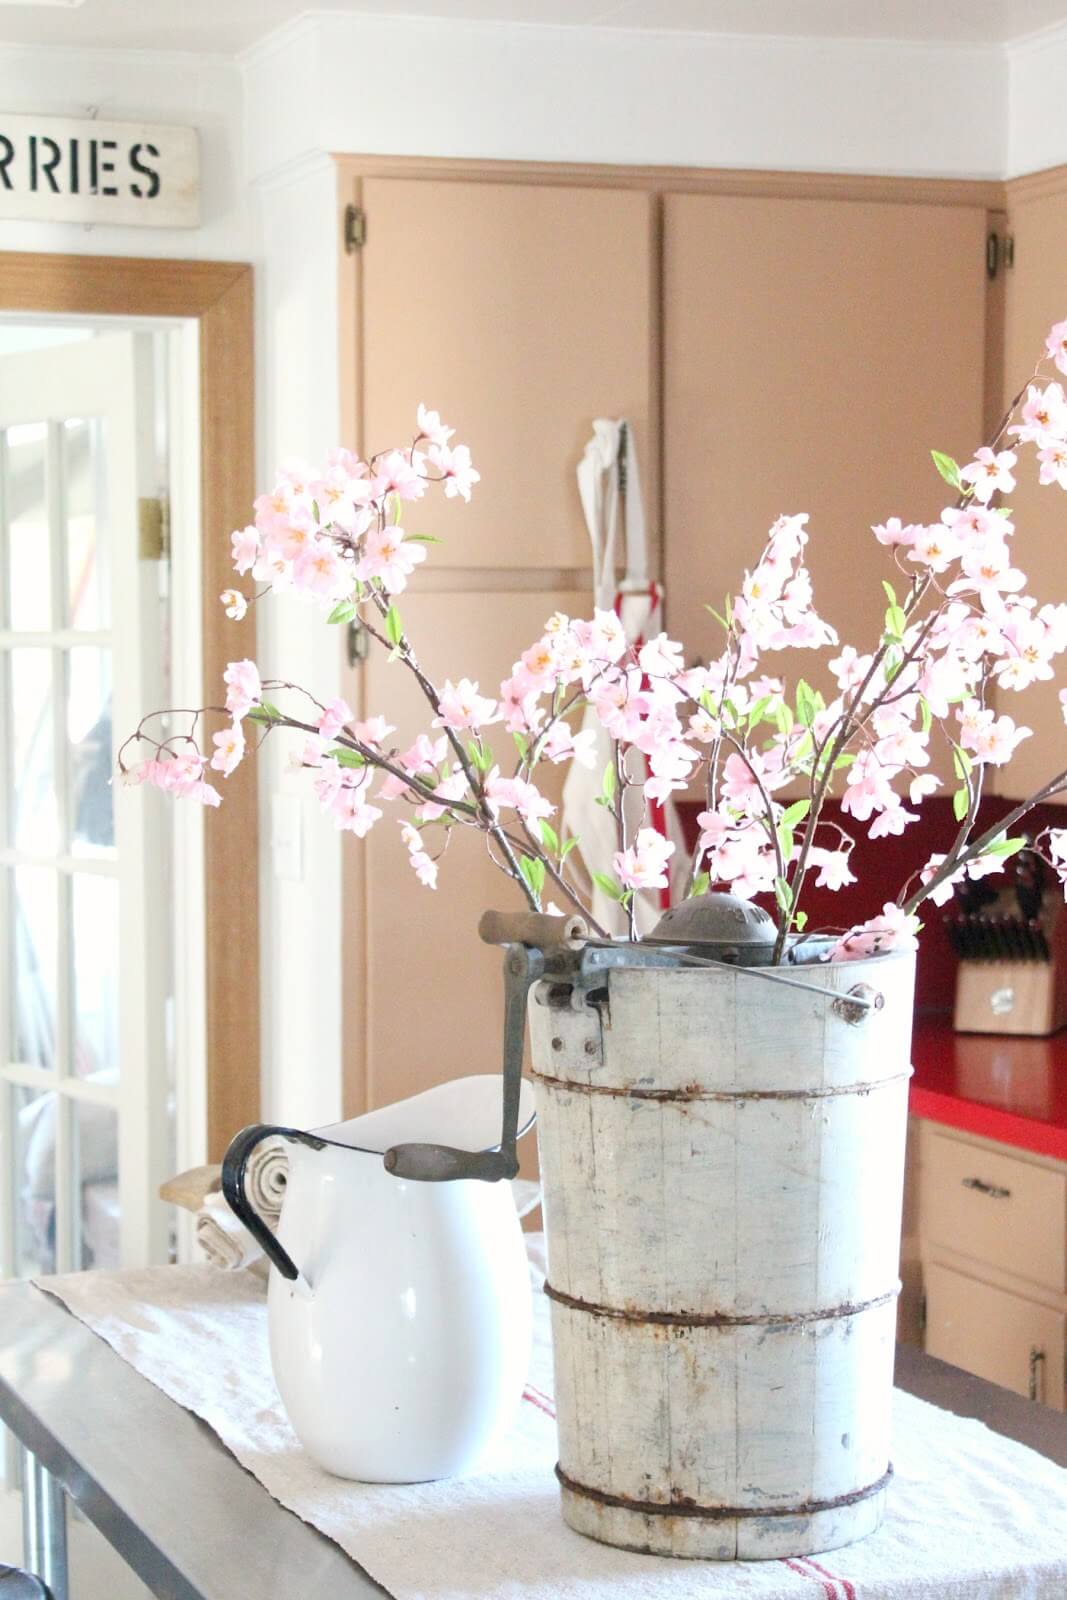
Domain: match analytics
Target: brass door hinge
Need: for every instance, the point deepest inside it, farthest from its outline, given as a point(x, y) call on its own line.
point(999, 252)
point(153, 529)
point(355, 229)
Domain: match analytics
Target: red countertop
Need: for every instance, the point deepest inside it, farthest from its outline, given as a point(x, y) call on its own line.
point(1010, 1089)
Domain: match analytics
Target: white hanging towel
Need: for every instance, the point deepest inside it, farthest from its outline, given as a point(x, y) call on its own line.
point(607, 474)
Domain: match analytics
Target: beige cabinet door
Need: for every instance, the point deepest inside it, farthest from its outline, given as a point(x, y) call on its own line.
point(814, 352)
point(994, 1334)
point(521, 312)
point(1035, 298)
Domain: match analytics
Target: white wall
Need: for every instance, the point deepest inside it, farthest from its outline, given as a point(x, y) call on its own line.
point(530, 91)
point(1037, 110)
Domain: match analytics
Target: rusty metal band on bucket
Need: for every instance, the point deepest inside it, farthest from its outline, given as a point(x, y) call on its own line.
point(694, 1092)
point(717, 1319)
point(689, 1508)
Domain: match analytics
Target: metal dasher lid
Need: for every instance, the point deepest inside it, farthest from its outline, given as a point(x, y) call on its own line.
point(722, 926)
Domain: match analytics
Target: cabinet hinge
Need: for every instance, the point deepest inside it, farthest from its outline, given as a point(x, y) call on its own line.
point(355, 228)
point(357, 644)
point(999, 252)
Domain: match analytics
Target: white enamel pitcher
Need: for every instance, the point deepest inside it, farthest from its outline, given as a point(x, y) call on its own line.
point(400, 1308)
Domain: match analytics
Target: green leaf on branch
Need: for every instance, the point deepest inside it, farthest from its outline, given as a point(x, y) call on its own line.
point(422, 538)
point(608, 785)
point(962, 764)
point(394, 628)
point(948, 469)
point(801, 921)
point(397, 511)
point(807, 705)
point(844, 760)
point(343, 611)
point(783, 894)
point(521, 745)
point(610, 887)
point(266, 712)
point(785, 841)
point(699, 885)
point(347, 758)
point(960, 802)
point(568, 845)
point(481, 760)
point(795, 813)
point(925, 713)
point(719, 619)
point(890, 592)
point(895, 623)
point(1004, 847)
point(533, 870)
point(756, 713)
point(549, 837)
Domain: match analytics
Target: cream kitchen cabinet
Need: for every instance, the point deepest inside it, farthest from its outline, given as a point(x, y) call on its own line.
point(992, 1244)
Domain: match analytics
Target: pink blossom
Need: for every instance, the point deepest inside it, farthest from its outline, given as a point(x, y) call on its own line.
point(245, 545)
point(518, 795)
point(1053, 459)
point(644, 864)
point(620, 703)
point(321, 571)
point(893, 820)
point(603, 637)
point(850, 668)
point(461, 706)
point(561, 743)
point(895, 929)
point(244, 688)
point(990, 473)
point(894, 532)
point(423, 865)
point(1027, 658)
point(1044, 415)
point(935, 547)
point(229, 749)
point(388, 555)
point(661, 657)
point(375, 730)
point(353, 814)
point(451, 788)
point(234, 604)
point(398, 473)
point(943, 892)
point(833, 865)
point(788, 536)
point(868, 787)
point(536, 667)
point(921, 787)
point(454, 464)
point(704, 727)
point(334, 718)
point(431, 427)
point(989, 738)
point(974, 521)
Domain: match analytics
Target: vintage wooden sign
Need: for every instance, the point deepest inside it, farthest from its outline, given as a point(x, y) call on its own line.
point(69, 169)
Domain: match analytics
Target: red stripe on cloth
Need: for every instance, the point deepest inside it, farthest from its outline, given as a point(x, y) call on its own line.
point(825, 1583)
point(847, 1585)
point(541, 1401)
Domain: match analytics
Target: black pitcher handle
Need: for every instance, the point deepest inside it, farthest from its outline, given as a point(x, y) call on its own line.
point(234, 1168)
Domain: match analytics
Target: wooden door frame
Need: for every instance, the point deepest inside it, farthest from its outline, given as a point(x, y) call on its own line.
point(218, 296)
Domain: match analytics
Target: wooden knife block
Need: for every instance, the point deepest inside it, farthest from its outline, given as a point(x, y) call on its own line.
point(1026, 997)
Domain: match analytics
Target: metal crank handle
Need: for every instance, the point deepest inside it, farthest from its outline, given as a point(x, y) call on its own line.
point(439, 1163)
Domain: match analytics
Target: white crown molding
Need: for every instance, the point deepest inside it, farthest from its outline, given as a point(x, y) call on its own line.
point(1042, 39)
point(105, 55)
point(502, 29)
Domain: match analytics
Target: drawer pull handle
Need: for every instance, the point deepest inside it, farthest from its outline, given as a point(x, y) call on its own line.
point(1037, 1359)
point(993, 1190)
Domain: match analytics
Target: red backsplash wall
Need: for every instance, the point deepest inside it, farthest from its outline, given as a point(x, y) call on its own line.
point(882, 866)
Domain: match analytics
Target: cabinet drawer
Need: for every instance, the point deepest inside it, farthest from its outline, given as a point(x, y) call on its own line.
point(995, 1335)
point(996, 1208)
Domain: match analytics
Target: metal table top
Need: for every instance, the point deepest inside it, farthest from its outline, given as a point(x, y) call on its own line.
point(194, 1525)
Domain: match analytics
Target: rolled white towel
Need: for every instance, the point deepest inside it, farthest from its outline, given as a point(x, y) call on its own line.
point(226, 1243)
point(265, 1178)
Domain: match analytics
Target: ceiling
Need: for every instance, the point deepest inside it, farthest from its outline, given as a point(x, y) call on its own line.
point(228, 26)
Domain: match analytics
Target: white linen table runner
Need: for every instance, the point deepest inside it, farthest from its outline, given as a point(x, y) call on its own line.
point(972, 1515)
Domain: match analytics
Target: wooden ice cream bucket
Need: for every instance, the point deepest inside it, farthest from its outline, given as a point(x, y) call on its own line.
point(722, 1160)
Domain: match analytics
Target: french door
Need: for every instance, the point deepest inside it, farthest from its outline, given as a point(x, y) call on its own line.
point(85, 1013)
